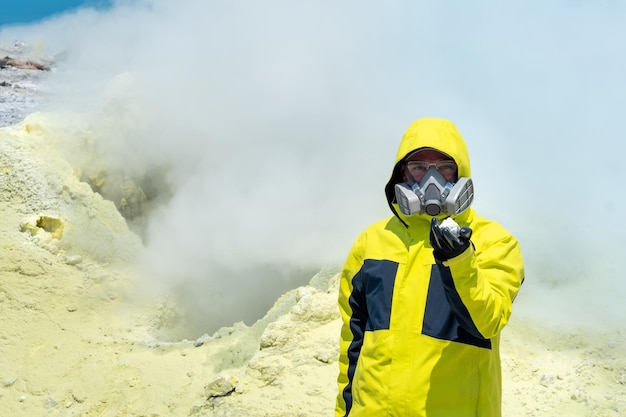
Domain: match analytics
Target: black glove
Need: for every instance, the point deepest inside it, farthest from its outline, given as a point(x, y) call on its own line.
point(445, 244)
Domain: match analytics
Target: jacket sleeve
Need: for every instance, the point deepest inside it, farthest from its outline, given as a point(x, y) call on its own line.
point(354, 316)
point(487, 279)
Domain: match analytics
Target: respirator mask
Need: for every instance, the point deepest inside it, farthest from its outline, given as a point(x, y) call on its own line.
point(434, 195)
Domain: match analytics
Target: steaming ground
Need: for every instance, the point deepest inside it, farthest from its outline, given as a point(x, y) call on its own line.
point(210, 281)
point(80, 339)
point(258, 137)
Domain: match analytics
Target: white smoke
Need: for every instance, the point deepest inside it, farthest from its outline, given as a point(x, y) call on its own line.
point(274, 126)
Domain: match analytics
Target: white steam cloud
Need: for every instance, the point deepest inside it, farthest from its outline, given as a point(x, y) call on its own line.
point(274, 124)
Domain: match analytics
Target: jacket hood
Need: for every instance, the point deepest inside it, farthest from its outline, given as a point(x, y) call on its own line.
point(439, 134)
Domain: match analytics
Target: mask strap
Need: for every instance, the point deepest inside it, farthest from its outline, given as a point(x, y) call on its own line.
point(409, 177)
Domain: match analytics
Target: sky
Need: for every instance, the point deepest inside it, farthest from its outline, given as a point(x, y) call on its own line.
point(269, 129)
point(29, 11)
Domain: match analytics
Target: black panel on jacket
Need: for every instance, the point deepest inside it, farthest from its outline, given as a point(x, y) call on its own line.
point(374, 282)
point(445, 316)
point(376, 279)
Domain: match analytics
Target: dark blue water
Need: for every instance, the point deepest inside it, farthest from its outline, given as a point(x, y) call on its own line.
point(28, 11)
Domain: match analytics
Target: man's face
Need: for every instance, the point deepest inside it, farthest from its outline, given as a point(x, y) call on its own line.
point(418, 163)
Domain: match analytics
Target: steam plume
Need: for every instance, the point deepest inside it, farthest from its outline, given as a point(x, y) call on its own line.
point(269, 129)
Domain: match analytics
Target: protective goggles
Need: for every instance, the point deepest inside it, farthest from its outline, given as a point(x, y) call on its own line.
point(447, 167)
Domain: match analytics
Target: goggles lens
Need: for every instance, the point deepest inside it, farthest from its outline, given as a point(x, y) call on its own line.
point(420, 167)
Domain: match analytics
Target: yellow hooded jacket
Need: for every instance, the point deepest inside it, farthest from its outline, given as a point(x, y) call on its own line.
point(419, 337)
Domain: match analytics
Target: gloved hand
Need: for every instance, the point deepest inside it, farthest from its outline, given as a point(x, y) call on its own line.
point(445, 243)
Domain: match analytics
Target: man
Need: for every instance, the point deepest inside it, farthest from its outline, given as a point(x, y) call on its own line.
point(425, 293)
